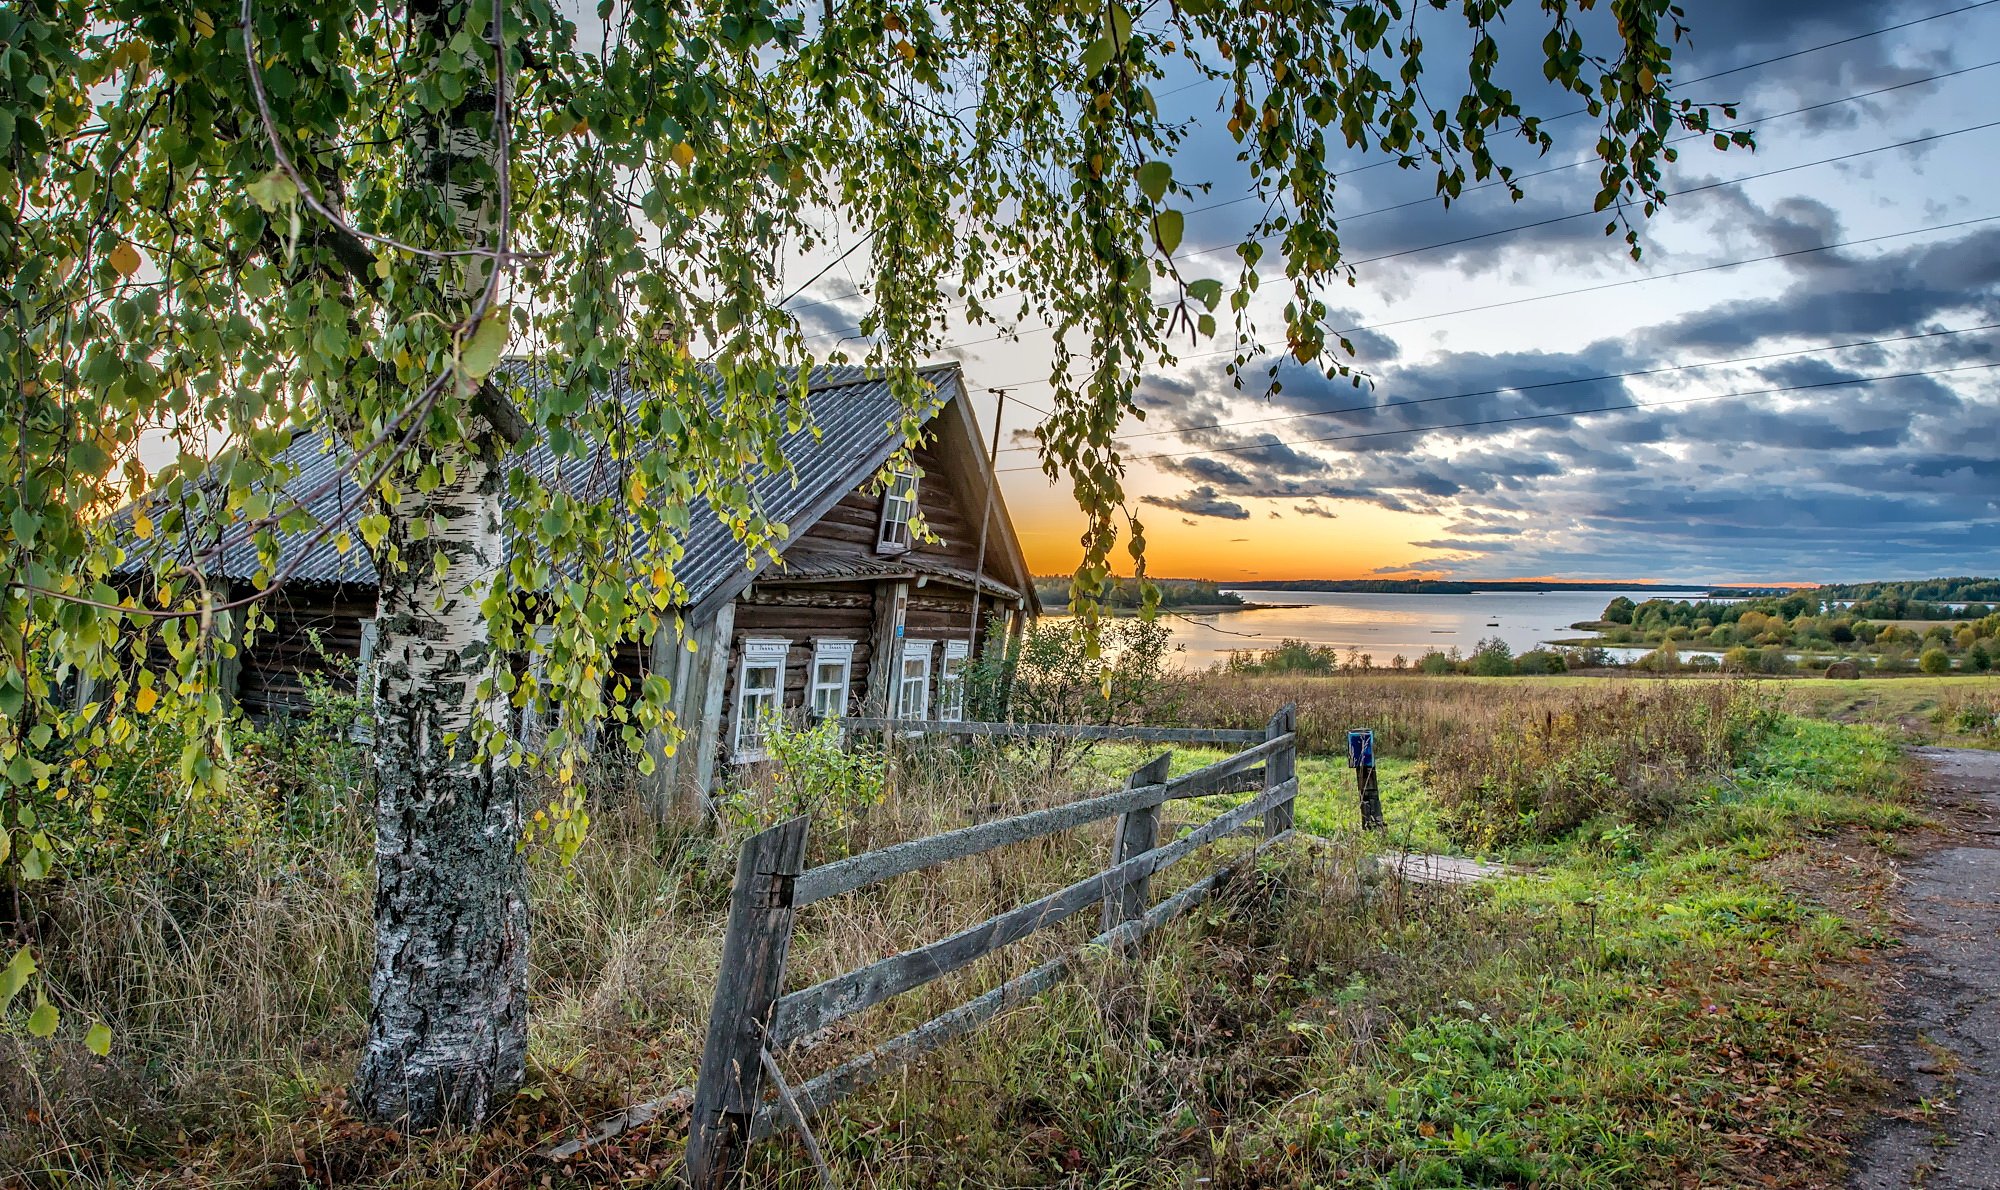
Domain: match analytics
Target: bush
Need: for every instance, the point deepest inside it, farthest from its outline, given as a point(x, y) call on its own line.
point(1435, 662)
point(1493, 659)
point(1290, 657)
point(1540, 661)
point(1935, 661)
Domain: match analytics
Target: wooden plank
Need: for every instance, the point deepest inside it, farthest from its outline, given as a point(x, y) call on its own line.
point(730, 1085)
point(814, 1008)
point(1279, 768)
point(860, 871)
point(1074, 731)
point(1138, 832)
point(843, 1080)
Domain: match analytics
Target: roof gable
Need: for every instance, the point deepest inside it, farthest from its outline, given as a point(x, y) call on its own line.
point(854, 428)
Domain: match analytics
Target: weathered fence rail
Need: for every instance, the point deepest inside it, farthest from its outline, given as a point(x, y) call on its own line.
point(753, 1016)
point(1065, 731)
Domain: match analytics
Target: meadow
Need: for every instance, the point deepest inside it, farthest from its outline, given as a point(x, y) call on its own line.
point(1670, 989)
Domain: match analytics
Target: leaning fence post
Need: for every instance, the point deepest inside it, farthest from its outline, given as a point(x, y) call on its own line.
point(1137, 832)
point(730, 1086)
point(1361, 758)
point(1279, 768)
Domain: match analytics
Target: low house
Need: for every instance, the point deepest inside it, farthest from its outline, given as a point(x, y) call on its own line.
point(877, 603)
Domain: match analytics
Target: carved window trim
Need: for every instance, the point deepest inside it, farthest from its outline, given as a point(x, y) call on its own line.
point(829, 651)
point(755, 696)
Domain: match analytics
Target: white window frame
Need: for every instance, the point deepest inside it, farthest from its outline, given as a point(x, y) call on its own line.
point(951, 680)
point(759, 653)
point(914, 650)
point(830, 651)
point(363, 729)
point(893, 535)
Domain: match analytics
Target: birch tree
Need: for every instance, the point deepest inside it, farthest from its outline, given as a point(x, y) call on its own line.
point(229, 222)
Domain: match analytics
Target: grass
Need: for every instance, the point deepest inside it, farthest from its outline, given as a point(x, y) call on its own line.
point(1663, 997)
point(1649, 1006)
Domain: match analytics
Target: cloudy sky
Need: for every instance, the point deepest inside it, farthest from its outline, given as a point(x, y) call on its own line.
point(1819, 402)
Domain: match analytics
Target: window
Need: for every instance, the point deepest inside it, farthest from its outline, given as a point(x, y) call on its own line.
point(913, 682)
point(833, 667)
point(899, 505)
point(760, 693)
point(951, 680)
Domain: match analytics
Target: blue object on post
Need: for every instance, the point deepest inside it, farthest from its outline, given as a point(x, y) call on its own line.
point(1361, 749)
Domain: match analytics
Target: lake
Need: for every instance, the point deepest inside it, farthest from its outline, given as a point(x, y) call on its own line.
point(1385, 625)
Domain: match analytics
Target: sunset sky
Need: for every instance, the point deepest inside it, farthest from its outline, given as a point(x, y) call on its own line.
point(1898, 477)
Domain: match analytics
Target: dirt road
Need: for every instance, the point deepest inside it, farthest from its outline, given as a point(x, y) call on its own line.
point(1941, 1123)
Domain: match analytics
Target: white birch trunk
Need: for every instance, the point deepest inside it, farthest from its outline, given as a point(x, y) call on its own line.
point(448, 1009)
point(448, 1013)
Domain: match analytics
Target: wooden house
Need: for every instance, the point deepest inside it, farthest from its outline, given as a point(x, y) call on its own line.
point(863, 612)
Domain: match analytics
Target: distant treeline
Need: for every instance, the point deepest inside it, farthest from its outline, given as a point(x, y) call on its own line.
point(1053, 591)
point(1914, 591)
point(1427, 586)
point(1810, 623)
point(1493, 658)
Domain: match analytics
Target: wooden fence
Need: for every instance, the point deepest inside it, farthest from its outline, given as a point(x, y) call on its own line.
point(753, 1016)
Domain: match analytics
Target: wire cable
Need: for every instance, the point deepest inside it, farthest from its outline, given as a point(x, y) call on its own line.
point(1240, 448)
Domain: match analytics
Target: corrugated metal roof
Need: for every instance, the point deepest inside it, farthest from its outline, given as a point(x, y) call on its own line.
point(856, 416)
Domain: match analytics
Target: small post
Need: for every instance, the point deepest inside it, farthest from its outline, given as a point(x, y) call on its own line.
point(1361, 758)
point(1279, 768)
point(1138, 832)
point(730, 1086)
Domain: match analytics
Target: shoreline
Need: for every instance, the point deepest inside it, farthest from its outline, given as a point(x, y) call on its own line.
point(1187, 609)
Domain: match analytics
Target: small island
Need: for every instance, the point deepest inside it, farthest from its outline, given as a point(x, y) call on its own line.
point(1184, 596)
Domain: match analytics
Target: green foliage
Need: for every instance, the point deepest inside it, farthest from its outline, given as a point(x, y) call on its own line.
point(1061, 671)
point(1935, 661)
point(1435, 662)
point(1289, 657)
point(1492, 658)
point(816, 771)
point(1541, 661)
point(1619, 610)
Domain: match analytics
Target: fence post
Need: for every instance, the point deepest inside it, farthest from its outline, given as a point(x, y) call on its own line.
point(1137, 832)
point(1279, 768)
point(730, 1087)
point(1361, 758)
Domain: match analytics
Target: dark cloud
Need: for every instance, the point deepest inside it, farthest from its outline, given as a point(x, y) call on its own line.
point(1202, 501)
point(1311, 509)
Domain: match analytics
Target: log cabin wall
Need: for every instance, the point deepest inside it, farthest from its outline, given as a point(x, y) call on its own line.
point(283, 658)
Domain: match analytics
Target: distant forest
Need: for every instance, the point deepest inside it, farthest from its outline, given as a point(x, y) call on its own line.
point(1930, 590)
point(1426, 586)
point(1053, 591)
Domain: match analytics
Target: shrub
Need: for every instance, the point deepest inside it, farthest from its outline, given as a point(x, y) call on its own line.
point(1978, 660)
point(1935, 661)
point(1540, 661)
point(1435, 662)
point(1492, 658)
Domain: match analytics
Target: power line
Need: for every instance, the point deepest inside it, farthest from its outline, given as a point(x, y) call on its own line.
point(1561, 219)
point(1624, 281)
point(1756, 122)
point(1549, 222)
point(1530, 417)
point(1762, 62)
point(1524, 388)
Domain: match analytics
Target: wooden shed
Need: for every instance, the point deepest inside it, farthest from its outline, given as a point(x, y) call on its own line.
point(877, 602)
